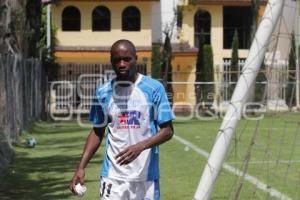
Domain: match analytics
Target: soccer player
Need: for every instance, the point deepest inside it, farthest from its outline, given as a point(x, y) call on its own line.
point(131, 107)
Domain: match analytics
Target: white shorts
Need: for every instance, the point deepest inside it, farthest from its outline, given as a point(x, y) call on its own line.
point(112, 189)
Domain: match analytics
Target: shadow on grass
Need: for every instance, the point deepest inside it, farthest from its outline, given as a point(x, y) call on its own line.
point(32, 178)
point(19, 184)
point(56, 127)
point(44, 172)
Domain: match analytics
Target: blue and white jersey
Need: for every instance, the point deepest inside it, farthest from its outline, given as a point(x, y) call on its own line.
point(132, 114)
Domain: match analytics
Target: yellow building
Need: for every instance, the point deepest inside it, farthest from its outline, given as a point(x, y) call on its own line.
point(216, 20)
point(86, 29)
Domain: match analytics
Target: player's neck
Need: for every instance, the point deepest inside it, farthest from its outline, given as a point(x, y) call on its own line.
point(127, 82)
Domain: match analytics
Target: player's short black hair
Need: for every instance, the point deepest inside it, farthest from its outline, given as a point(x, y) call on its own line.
point(123, 41)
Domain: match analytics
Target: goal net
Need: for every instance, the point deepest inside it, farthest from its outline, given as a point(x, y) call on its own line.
point(259, 143)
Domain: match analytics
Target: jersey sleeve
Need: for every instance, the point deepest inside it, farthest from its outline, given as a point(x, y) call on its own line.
point(162, 106)
point(97, 115)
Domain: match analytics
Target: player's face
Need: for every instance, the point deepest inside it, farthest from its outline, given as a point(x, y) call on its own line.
point(123, 60)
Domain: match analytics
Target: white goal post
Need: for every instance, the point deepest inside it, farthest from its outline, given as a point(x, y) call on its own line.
point(239, 98)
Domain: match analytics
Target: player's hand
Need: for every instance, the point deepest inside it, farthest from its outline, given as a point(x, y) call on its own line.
point(77, 178)
point(129, 154)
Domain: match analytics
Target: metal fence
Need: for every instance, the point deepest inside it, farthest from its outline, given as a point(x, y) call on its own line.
point(275, 88)
point(75, 86)
point(274, 82)
point(72, 92)
point(20, 100)
point(21, 96)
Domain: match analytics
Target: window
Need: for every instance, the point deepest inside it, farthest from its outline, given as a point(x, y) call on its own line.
point(131, 19)
point(101, 19)
point(179, 18)
point(71, 19)
point(202, 24)
point(237, 18)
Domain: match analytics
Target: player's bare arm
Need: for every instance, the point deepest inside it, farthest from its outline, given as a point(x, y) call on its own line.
point(93, 142)
point(132, 152)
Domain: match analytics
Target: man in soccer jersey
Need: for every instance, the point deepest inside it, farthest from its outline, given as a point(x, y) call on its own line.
point(130, 107)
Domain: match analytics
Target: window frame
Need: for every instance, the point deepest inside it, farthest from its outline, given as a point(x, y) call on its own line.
point(242, 24)
point(105, 27)
point(126, 26)
point(71, 23)
point(206, 22)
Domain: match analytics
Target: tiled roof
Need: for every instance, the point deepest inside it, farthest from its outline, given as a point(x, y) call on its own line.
point(183, 48)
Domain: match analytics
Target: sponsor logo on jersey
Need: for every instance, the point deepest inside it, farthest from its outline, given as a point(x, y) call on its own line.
point(129, 119)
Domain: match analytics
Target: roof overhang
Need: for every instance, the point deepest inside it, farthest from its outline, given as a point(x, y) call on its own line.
point(183, 49)
point(94, 49)
point(224, 2)
point(49, 1)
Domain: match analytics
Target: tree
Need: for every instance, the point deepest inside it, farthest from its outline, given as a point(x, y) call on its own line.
point(199, 68)
point(290, 89)
point(19, 31)
point(292, 54)
point(20, 21)
point(166, 66)
point(254, 9)
point(208, 64)
point(208, 74)
point(259, 88)
point(48, 57)
point(234, 64)
point(155, 60)
point(204, 72)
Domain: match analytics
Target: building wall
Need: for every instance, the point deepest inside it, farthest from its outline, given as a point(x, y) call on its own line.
point(288, 24)
point(86, 37)
point(216, 12)
point(183, 68)
point(186, 34)
point(94, 56)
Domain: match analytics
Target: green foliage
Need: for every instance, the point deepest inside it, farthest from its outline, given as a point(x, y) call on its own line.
point(199, 67)
point(234, 65)
point(200, 58)
point(43, 28)
point(166, 66)
point(208, 73)
point(260, 88)
point(156, 62)
point(44, 172)
point(204, 71)
point(48, 57)
point(292, 55)
point(290, 89)
point(254, 9)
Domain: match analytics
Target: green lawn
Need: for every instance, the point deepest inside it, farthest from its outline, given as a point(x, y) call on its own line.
point(44, 172)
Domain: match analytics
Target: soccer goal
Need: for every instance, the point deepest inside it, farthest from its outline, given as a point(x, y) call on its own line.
point(264, 157)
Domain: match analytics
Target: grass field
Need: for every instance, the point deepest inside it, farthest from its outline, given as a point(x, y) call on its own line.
point(44, 172)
